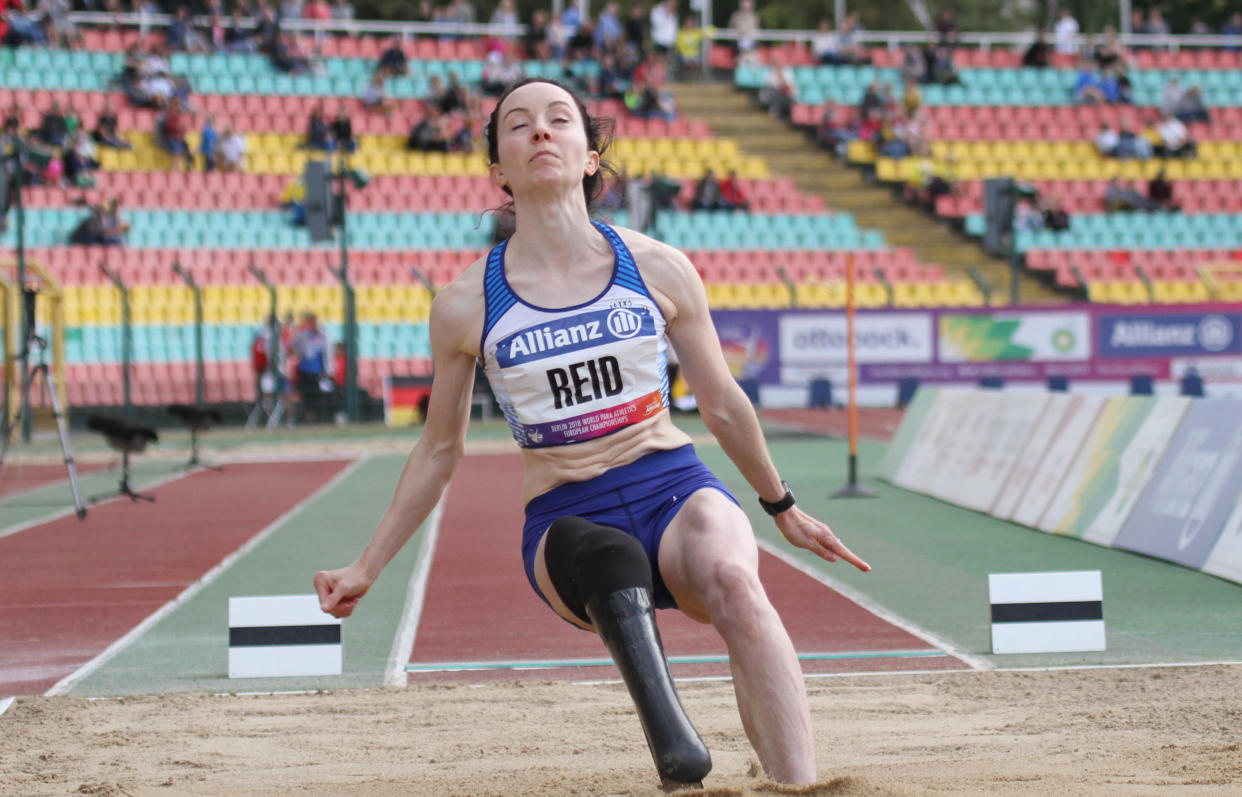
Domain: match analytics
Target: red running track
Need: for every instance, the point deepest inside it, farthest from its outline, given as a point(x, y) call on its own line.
point(479, 608)
point(71, 588)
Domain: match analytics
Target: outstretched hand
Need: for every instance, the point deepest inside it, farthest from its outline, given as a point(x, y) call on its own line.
point(804, 531)
point(340, 590)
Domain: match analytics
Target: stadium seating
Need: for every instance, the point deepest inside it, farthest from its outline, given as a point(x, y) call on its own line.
point(422, 211)
point(1005, 120)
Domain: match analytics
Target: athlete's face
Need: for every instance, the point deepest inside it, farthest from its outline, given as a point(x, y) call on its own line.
point(541, 142)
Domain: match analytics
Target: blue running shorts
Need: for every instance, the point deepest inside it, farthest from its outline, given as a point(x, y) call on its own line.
point(640, 498)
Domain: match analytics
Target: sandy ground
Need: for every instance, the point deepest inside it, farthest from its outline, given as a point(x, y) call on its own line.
point(1085, 732)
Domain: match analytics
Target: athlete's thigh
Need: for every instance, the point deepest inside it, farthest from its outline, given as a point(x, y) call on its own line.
point(708, 532)
point(549, 590)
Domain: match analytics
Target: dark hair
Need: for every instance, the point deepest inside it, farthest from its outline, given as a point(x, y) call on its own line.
point(598, 133)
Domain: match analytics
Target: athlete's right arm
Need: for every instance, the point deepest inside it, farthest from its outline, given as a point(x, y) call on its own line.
point(455, 315)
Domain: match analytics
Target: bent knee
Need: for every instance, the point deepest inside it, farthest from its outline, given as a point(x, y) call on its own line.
point(734, 597)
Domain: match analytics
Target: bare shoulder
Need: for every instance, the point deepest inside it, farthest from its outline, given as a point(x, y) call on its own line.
point(457, 311)
point(666, 270)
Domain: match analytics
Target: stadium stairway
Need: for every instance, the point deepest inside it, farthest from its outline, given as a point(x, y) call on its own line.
point(729, 112)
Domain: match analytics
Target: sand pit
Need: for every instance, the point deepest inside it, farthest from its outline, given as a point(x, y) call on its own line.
point(1081, 732)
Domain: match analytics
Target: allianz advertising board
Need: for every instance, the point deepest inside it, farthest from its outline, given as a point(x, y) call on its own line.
point(1168, 335)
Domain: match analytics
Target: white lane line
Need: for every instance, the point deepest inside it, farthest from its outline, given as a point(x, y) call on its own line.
point(72, 679)
point(5, 703)
point(416, 592)
point(866, 603)
point(39, 521)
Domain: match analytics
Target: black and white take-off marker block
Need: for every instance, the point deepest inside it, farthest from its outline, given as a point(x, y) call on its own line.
point(1047, 612)
point(282, 635)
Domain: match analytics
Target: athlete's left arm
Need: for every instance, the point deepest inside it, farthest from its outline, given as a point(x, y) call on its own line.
point(723, 405)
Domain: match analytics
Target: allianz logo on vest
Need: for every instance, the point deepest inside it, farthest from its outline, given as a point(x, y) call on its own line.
point(581, 331)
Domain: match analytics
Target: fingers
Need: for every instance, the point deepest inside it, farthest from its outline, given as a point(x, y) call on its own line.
point(323, 588)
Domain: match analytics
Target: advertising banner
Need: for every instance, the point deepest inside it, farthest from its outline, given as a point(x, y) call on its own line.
point(1086, 343)
point(1094, 477)
point(926, 454)
point(1067, 440)
point(912, 421)
point(1004, 439)
point(1116, 491)
point(1007, 337)
point(960, 459)
point(1129, 335)
point(1032, 454)
point(1194, 490)
point(1226, 558)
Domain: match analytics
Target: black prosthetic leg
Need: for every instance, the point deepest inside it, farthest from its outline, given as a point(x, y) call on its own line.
point(603, 576)
point(625, 621)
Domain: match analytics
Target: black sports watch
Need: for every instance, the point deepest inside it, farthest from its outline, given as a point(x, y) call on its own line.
point(774, 508)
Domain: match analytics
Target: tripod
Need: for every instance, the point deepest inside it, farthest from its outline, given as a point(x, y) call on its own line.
point(35, 342)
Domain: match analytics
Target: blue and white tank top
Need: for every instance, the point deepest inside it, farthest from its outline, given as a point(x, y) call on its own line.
point(572, 374)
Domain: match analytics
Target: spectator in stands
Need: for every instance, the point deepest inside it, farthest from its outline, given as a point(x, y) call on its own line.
point(536, 39)
point(393, 61)
point(1089, 89)
point(1065, 33)
point(317, 10)
point(105, 133)
point(636, 31)
point(1160, 193)
point(707, 194)
point(1027, 217)
point(53, 128)
point(232, 150)
point(432, 133)
point(114, 226)
point(850, 48)
point(580, 45)
point(664, 26)
point(1107, 140)
point(180, 35)
point(1111, 53)
point(1037, 54)
point(1156, 26)
point(1187, 104)
point(293, 200)
point(732, 194)
point(609, 31)
point(938, 64)
point(343, 131)
point(1055, 217)
point(23, 28)
point(1233, 28)
point(647, 97)
point(172, 126)
point(690, 47)
point(267, 30)
point(208, 143)
point(317, 134)
point(58, 27)
point(237, 37)
point(832, 133)
point(1119, 197)
point(911, 99)
point(825, 45)
point(778, 92)
point(342, 11)
point(612, 80)
point(461, 12)
point(81, 159)
point(90, 230)
point(1130, 144)
point(310, 350)
point(1175, 141)
point(662, 192)
point(373, 98)
point(947, 31)
point(288, 55)
point(499, 73)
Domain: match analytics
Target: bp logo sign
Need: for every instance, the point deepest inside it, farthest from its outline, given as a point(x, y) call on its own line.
point(1063, 340)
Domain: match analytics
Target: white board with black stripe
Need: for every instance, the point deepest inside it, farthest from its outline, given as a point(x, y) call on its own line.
point(1060, 612)
point(282, 635)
